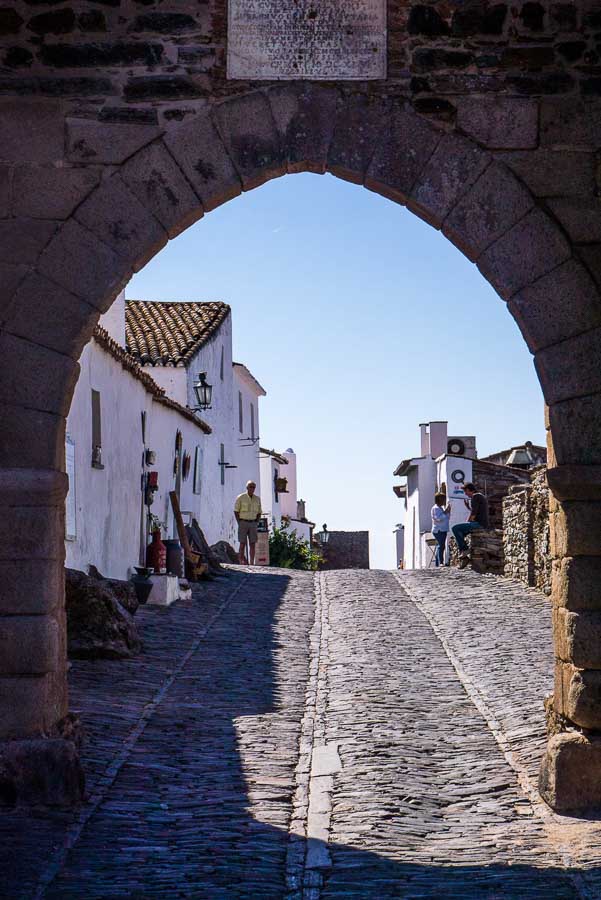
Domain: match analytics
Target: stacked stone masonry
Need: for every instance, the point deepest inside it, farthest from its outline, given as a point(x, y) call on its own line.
point(526, 532)
point(346, 550)
point(120, 129)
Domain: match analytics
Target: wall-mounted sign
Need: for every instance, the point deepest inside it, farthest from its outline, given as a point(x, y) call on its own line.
point(306, 39)
point(70, 505)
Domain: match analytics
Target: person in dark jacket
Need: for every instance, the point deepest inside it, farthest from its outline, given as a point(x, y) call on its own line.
point(478, 507)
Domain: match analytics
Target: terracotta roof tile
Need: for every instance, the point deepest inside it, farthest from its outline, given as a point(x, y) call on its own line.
point(131, 365)
point(169, 334)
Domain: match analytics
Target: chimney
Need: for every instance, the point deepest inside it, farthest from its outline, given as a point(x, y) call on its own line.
point(425, 440)
point(438, 438)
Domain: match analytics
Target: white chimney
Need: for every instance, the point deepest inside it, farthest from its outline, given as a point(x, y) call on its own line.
point(113, 320)
point(438, 438)
point(425, 440)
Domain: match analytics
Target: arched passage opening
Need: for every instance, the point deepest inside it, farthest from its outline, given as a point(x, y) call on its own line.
point(122, 219)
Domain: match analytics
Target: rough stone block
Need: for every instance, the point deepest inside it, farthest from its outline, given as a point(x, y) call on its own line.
point(570, 776)
point(567, 123)
point(304, 115)
point(574, 482)
point(35, 377)
point(46, 313)
point(22, 240)
point(576, 428)
point(46, 771)
point(578, 695)
point(33, 487)
point(499, 122)
point(32, 131)
point(30, 587)
point(117, 217)
point(51, 193)
point(571, 368)
point(362, 124)
point(402, 150)
point(451, 170)
point(32, 533)
point(111, 143)
point(581, 218)
point(489, 209)
point(591, 257)
point(561, 304)
point(85, 266)
point(31, 437)
point(5, 180)
point(529, 250)
point(555, 173)
point(576, 529)
point(28, 645)
point(576, 583)
point(197, 147)
point(26, 706)
point(578, 637)
point(249, 133)
point(10, 279)
point(158, 182)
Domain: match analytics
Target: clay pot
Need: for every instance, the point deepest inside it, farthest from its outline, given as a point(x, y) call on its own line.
point(156, 554)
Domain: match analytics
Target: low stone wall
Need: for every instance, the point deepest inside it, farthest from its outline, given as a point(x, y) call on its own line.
point(485, 549)
point(518, 545)
point(346, 550)
point(526, 532)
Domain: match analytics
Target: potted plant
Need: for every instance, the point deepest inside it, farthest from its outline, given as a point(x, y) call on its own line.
point(156, 552)
point(142, 583)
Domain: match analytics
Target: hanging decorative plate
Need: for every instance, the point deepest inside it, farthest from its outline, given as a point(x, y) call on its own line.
point(186, 465)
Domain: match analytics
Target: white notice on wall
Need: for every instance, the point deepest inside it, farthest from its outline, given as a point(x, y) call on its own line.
point(306, 39)
point(70, 508)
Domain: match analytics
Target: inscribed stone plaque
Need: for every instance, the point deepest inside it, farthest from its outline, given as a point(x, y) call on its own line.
point(325, 40)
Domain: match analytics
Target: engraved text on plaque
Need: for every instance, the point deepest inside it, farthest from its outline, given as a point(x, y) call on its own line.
point(306, 39)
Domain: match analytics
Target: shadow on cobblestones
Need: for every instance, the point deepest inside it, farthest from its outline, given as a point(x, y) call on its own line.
point(201, 805)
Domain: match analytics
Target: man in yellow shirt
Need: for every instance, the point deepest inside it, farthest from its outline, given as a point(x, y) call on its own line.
point(247, 510)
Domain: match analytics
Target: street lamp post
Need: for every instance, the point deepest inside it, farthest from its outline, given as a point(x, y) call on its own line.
point(203, 392)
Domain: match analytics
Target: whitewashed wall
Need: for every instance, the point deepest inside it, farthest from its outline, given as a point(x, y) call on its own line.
point(246, 453)
point(288, 501)
point(272, 508)
point(111, 523)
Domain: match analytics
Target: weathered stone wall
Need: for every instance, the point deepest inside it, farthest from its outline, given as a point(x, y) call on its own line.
point(526, 536)
point(518, 545)
point(347, 550)
point(495, 482)
point(133, 51)
point(485, 549)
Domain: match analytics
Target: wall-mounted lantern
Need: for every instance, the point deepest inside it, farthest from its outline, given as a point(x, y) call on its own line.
point(323, 535)
point(203, 392)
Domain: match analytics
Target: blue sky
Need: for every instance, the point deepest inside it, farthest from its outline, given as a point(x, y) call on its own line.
point(360, 321)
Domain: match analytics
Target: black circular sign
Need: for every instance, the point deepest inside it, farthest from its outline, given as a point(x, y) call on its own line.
point(458, 476)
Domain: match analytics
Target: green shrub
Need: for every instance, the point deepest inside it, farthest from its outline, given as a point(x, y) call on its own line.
point(288, 551)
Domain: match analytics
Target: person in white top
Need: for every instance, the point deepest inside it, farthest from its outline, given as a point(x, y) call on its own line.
point(440, 526)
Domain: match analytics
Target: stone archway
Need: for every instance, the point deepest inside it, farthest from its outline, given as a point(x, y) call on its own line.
point(114, 204)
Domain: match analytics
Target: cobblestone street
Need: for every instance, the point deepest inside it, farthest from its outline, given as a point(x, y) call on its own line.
point(359, 734)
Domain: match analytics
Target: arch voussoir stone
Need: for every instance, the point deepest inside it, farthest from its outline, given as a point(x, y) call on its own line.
point(360, 122)
point(571, 368)
point(495, 203)
point(115, 215)
point(249, 133)
point(532, 247)
point(197, 148)
point(304, 115)
point(452, 169)
point(400, 153)
point(160, 185)
point(34, 376)
point(558, 305)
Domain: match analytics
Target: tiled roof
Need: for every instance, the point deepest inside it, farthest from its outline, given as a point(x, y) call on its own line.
point(169, 334)
point(104, 340)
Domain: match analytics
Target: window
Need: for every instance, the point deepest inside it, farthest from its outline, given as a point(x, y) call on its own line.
point(222, 463)
point(197, 470)
point(96, 431)
point(240, 413)
point(252, 421)
point(221, 365)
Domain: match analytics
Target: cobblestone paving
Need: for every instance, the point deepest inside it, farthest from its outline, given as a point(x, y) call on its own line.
point(352, 734)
